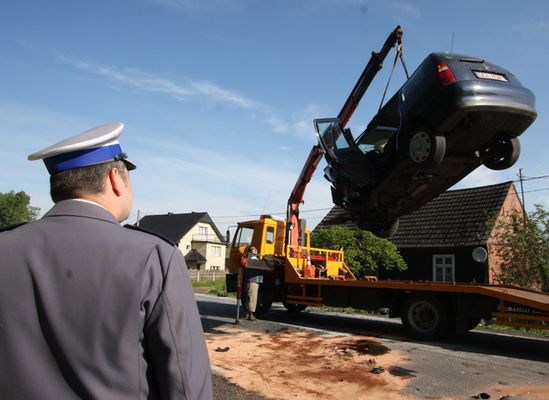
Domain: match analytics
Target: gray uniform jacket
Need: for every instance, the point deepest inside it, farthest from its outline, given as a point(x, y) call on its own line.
point(92, 310)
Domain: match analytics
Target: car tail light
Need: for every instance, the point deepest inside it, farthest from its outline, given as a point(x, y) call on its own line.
point(445, 74)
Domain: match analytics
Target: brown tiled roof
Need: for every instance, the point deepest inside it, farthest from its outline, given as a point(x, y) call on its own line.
point(453, 218)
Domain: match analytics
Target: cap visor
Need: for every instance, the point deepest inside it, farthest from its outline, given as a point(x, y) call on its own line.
point(129, 165)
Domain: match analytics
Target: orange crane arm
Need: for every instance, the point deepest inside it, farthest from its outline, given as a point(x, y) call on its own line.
point(293, 229)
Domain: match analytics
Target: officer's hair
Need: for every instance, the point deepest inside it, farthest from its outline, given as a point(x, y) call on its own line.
point(72, 183)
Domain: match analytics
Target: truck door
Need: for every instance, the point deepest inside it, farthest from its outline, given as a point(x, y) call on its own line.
point(241, 240)
point(268, 245)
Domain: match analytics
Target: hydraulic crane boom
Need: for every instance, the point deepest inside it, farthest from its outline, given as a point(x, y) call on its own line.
point(294, 229)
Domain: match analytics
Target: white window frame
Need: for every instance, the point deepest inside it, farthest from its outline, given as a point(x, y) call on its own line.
point(443, 266)
point(216, 251)
point(202, 230)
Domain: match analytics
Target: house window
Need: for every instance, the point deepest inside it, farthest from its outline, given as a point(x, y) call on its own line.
point(203, 230)
point(270, 235)
point(188, 247)
point(216, 251)
point(443, 268)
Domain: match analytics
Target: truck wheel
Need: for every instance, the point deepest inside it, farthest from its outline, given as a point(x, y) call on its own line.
point(472, 323)
point(425, 317)
point(263, 306)
point(500, 153)
point(424, 148)
point(294, 308)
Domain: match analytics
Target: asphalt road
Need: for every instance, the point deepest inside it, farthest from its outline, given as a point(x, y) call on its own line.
point(458, 367)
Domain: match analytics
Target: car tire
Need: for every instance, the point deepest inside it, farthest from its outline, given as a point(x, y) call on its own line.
point(424, 148)
point(500, 153)
point(425, 317)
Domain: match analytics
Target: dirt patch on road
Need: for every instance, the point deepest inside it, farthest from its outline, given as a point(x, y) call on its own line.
point(293, 364)
point(527, 392)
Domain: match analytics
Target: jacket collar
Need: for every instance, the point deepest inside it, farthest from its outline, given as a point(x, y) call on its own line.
point(75, 208)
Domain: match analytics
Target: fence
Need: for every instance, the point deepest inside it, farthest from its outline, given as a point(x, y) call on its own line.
point(197, 275)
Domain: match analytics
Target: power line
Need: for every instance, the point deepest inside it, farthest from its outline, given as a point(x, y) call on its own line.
point(277, 213)
point(524, 178)
point(537, 190)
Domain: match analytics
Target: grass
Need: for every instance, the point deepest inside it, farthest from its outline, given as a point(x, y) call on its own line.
point(216, 287)
point(512, 330)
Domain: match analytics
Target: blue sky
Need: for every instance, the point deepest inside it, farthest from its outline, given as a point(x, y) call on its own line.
point(218, 97)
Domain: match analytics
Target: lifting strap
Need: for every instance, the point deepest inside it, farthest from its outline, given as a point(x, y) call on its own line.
point(399, 55)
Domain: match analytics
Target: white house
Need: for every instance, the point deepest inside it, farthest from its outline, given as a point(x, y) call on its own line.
point(196, 236)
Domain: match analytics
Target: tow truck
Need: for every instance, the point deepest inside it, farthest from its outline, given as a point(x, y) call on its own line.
point(299, 275)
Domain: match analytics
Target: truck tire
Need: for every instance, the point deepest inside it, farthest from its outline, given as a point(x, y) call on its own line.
point(472, 323)
point(294, 308)
point(263, 306)
point(425, 317)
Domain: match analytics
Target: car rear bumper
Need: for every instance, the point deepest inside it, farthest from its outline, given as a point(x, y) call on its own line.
point(481, 109)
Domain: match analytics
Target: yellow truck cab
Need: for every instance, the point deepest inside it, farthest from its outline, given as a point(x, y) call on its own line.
point(265, 234)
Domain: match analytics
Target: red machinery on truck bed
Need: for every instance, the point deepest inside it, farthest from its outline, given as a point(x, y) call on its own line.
point(298, 275)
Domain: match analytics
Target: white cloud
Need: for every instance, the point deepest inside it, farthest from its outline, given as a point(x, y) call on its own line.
point(302, 121)
point(538, 28)
point(403, 9)
point(482, 176)
point(224, 95)
point(136, 79)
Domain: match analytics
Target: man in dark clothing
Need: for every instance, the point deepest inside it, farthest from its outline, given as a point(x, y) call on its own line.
point(253, 278)
point(90, 309)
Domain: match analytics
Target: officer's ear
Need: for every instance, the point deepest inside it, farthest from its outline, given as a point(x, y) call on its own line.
point(117, 182)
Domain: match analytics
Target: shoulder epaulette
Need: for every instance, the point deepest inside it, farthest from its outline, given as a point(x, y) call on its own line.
point(141, 229)
point(12, 227)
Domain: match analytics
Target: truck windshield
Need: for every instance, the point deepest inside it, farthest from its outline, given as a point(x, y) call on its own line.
point(243, 237)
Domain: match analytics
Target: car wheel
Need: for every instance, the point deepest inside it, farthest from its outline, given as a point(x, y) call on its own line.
point(426, 149)
point(500, 153)
point(425, 317)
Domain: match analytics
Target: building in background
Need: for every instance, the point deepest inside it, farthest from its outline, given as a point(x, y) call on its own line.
point(451, 238)
point(196, 236)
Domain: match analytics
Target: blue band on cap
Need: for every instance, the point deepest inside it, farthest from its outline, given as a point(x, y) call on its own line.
point(82, 158)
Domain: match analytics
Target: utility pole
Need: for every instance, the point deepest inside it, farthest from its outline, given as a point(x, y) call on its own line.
point(522, 195)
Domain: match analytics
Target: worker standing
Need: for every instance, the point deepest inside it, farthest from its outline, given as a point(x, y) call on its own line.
point(253, 278)
point(90, 309)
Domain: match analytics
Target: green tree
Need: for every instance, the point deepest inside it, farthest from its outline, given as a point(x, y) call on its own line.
point(15, 208)
point(365, 253)
point(523, 247)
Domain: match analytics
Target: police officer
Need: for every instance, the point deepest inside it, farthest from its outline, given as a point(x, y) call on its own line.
point(90, 309)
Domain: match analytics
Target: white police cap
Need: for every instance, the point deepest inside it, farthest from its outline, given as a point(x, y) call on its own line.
point(95, 146)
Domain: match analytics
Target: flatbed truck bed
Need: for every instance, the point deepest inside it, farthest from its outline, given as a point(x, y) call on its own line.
point(301, 276)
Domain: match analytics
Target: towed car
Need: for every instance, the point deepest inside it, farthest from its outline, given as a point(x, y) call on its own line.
point(453, 114)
